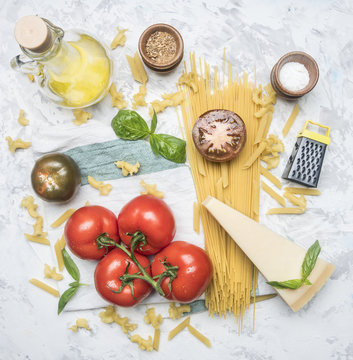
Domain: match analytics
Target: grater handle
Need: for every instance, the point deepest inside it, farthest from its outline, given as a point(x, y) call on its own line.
point(317, 124)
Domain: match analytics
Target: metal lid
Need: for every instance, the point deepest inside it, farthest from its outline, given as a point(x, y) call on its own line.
point(32, 33)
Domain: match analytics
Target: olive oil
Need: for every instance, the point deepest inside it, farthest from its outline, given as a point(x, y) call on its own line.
point(72, 68)
point(85, 76)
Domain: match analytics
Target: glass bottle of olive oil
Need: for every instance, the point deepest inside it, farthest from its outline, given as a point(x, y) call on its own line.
point(72, 68)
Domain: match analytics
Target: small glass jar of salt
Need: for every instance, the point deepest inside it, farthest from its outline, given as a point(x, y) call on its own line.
point(294, 76)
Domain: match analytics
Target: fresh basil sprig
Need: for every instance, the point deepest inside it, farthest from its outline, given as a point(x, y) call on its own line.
point(73, 270)
point(169, 147)
point(307, 267)
point(129, 125)
point(71, 267)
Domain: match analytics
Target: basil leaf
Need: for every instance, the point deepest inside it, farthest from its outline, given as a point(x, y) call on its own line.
point(70, 265)
point(307, 267)
point(153, 122)
point(74, 284)
point(154, 144)
point(306, 282)
point(65, 297)
point(289, 284)
point(310, 259)
point(171, 148)
point(129, 125)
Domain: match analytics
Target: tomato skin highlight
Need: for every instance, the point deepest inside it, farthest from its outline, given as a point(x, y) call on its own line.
point(151, 216)
point(56, 178)
point(85, 225)
point(108, 271)
point(194, 273)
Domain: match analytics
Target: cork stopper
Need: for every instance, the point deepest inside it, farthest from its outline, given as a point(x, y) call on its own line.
point(32, 33)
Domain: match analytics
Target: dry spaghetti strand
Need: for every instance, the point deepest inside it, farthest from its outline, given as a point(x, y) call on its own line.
point(234, 274)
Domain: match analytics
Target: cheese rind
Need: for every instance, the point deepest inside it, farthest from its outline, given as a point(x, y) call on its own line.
point(276, 257)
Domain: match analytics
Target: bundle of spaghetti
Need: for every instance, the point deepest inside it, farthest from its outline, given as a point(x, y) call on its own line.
point(235, 277)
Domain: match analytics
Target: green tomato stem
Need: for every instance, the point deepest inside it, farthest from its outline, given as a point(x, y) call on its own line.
point(138, 239)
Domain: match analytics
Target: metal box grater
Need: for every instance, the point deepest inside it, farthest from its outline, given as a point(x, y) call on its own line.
point(304, 164)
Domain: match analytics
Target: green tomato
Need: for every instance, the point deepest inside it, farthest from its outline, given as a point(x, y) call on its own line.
point(56, 178)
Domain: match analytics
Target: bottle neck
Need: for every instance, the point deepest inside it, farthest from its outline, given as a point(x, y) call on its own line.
point(57, 41)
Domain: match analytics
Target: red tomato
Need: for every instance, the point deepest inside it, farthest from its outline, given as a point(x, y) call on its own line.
point(83, 228)
point(194, 273)
point(108, 271)
point(151, 216)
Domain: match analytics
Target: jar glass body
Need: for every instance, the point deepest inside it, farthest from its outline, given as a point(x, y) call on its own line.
point(75, 72)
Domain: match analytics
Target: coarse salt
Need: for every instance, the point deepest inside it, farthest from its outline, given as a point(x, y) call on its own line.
point(294, 76)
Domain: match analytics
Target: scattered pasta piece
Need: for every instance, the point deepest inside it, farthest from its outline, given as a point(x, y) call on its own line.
point(273, 194)
point(126, 168)
point(137, 69)
point(269, 116)
point(265, 113)
point(86, 203)
point(269, 99)
point(190, 80)
point(38, 227)
point(290, 120)
point(62, 218)
point(21, 118)
point(50, 273)
point(274, 145)
point(59, 245)
point(285, 210)
point(156, 337)
point(304, 191)
point(262, 128)
point(259, 98)
point(272, 161)
point(119, 39)
point(270, 90)
point(270, 155)
point(179, 328)
point(28, 203)
point(117, 98)
point(275, 181)
point(151, 190)
point(173, 99)
point(177, 312)
point(104, 189)
point(124, 323)
point(38, 235)
point(264, 110)
point(81, 116)
point(109, 315)
point(30, 77)
point(257, 95)
point(296, 201)
point(17, 144)
point(199, 336)
point(38, 239)
point(255, 155)
point(144, 344)
point(197, 217)
point(152, 318)
point(45, 287)
point(80, 323)
point(139, 98)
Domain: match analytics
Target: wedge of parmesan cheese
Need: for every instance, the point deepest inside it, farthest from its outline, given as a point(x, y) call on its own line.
point(276, 257)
